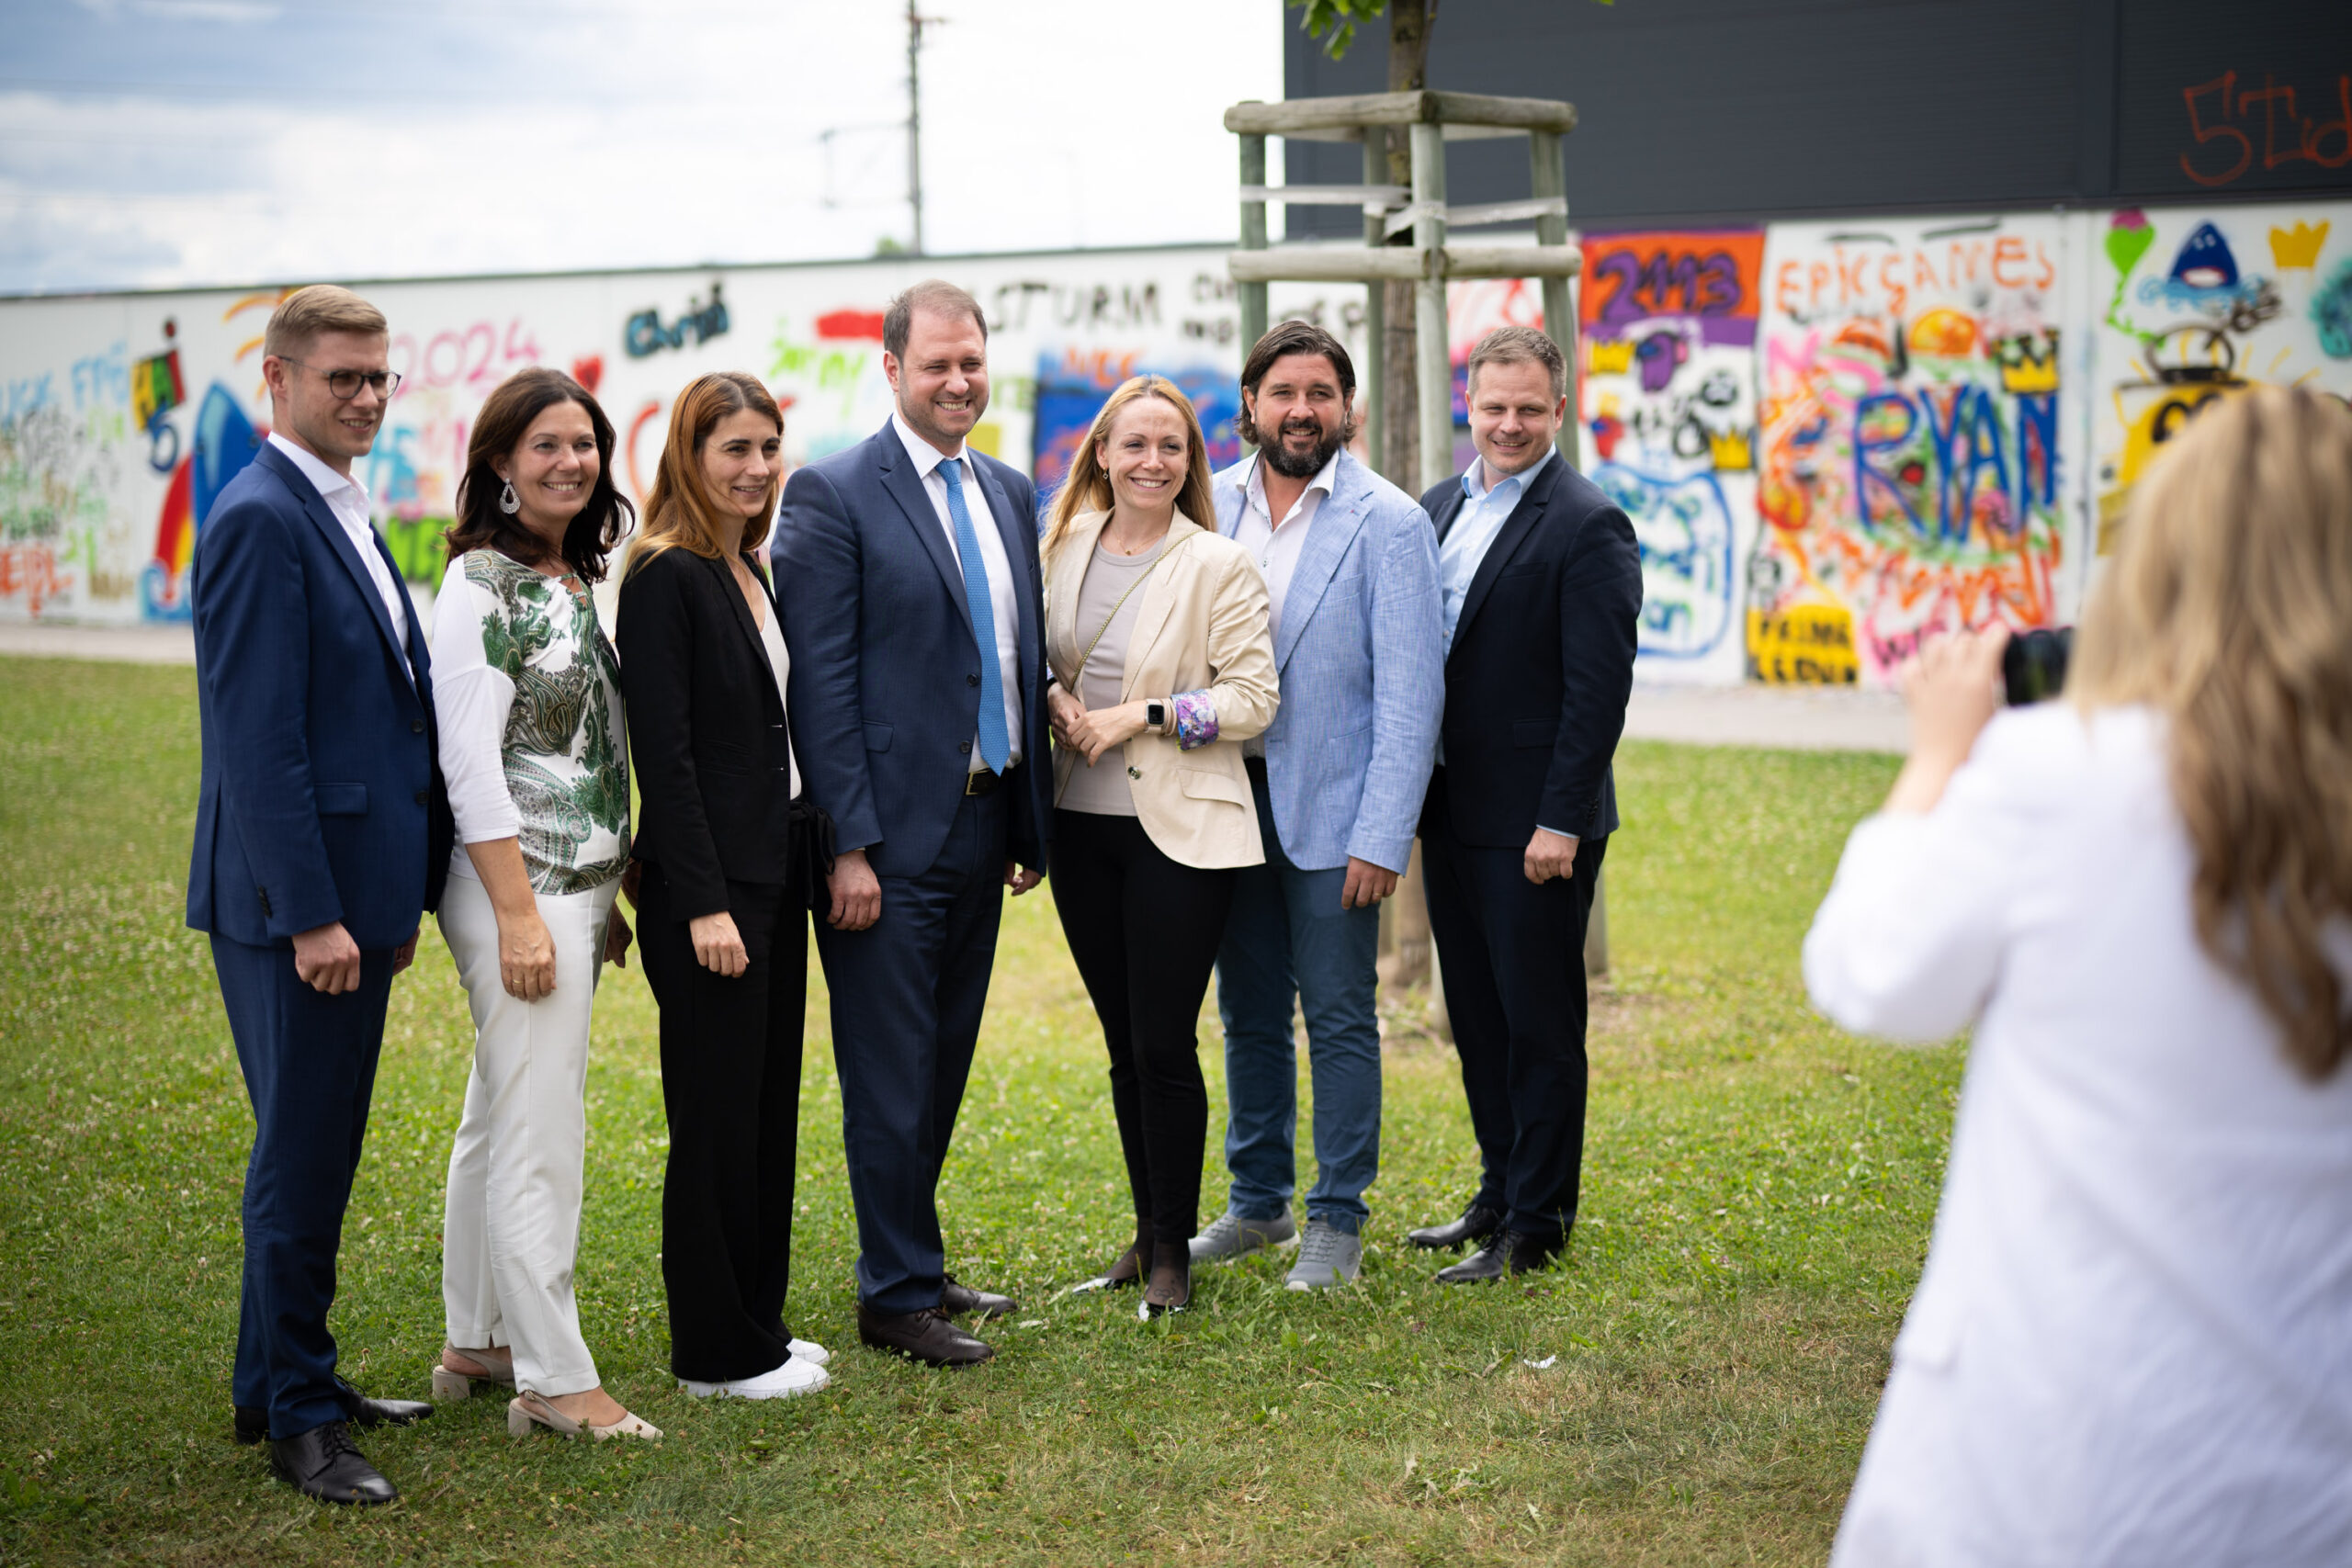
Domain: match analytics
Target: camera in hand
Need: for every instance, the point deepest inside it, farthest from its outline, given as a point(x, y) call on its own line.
point(2033, 666)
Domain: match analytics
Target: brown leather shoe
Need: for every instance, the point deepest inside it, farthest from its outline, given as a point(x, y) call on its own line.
point(926, 1336)
point(956, 1299)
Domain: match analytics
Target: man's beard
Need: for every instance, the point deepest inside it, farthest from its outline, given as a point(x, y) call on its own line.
point(1278, 457)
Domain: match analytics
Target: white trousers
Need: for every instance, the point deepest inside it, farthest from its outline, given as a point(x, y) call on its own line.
point(512, 1229)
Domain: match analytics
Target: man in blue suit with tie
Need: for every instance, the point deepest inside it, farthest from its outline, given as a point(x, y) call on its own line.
point(322, 833)
point(907, 571)
point(1351, 570)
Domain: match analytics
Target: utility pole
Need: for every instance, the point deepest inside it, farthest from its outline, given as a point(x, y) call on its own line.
point(916, 22)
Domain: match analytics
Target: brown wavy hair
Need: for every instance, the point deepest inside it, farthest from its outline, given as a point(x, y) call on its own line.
point(506, 418)
point(679, 510)
point(2228, 607)
point(1088, 488)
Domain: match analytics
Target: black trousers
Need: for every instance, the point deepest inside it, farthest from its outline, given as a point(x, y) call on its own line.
point(730, 1083)
point(1145, 931)
point(1512, 954)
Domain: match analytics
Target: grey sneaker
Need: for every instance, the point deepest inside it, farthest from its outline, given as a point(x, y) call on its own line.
point(1327, 1258)
point(1230, 1235)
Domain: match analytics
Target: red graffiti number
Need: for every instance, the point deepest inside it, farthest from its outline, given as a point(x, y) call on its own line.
point(2288, 136)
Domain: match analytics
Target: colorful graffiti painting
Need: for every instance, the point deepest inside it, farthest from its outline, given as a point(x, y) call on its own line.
point(224, 443)
point(1669, 323)
point(1909, 441)
point(1073, 383)
point(2202, 307)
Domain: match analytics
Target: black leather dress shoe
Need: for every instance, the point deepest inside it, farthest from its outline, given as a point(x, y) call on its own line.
point(323, 1463)
point(252, 1424)
point(926, 1336)
point(1476, 1223)
point(956, 1299)
point(364, 1413)
point(1511, 1252)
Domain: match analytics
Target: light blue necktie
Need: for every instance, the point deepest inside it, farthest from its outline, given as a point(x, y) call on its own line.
point(996, 746)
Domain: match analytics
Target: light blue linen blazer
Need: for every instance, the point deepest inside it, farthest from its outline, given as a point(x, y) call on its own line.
point(1363, 676)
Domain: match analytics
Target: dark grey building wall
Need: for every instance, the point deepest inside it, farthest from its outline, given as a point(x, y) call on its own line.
point(1716, 110)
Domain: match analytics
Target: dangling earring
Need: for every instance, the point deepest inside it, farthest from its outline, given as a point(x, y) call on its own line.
point(508, 501)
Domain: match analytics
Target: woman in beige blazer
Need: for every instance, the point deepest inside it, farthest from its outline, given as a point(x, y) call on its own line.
point(1163, 664)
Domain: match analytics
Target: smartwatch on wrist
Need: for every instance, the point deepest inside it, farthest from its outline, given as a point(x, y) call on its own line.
point(1155, 715)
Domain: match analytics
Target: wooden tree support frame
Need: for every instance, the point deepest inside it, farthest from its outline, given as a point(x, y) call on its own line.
point(1431, 120)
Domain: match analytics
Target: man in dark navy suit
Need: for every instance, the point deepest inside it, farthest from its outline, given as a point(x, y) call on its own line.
point(1540, 585)
point(907, 570)
point(321, 836)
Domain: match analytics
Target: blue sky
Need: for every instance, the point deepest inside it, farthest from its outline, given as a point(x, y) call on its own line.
point(161, 143)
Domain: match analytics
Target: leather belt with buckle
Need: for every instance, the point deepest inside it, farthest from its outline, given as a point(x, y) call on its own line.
point(981, 782)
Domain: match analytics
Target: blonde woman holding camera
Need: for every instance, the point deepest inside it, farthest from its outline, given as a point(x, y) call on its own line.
point(2132, 1344)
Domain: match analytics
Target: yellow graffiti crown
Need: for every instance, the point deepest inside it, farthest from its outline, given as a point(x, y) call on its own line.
point(1608, 359)
point(2297, 246)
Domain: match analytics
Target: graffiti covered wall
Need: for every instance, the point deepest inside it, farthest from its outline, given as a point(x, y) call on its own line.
point(2198, 306)
point(1834, 440)
point(121, 418)
point(1911, 445)
point(1668, 324)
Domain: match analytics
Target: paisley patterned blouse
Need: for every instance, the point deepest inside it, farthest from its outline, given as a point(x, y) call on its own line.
point(528, 696)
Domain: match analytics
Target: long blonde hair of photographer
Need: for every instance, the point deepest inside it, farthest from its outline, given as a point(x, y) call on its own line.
point(2228, 607)
point(1087, 486)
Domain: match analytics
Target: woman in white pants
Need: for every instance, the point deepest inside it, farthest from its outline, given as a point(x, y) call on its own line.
point(534, 749)
point(2132, 1344)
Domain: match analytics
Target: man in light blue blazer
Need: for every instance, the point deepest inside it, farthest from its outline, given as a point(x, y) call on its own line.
point(1351, 569)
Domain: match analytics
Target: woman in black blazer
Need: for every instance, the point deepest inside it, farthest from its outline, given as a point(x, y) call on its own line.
point(721, 906)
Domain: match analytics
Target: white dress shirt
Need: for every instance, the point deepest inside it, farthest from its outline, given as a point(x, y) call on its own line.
point(1004, 603)
point(2131, 1347)
point(1276, 546)
point(348, 501)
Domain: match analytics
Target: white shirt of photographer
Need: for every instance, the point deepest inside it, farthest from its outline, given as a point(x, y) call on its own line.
point(2132, 1343)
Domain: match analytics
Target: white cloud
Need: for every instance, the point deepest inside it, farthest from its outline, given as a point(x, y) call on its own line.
point(638, 133)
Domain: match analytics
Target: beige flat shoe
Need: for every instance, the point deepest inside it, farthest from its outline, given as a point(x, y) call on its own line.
point(527, 1410)
point(452, 1383)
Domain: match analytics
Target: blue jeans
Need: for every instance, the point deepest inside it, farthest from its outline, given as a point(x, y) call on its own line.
point(1288, 938)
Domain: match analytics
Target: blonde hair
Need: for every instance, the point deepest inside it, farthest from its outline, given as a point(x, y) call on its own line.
point(302, 315)
point(680, 509)
point(2228, 608)
point(1087, 486)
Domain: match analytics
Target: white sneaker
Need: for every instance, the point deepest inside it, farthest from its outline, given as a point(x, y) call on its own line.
point(796, 1376)
point(808, 1350)
point(1230, 1235)
point(1325, 1258)
point(702, 1390)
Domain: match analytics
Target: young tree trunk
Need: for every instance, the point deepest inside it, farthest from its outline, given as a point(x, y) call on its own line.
point(1408, 960)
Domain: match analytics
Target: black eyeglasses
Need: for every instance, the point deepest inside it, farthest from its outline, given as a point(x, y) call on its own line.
point(346, 383)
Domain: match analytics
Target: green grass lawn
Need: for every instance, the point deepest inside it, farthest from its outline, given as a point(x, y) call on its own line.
point(1691, 1386)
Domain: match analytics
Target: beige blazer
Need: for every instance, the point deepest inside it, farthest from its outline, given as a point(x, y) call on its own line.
point(1200, 625)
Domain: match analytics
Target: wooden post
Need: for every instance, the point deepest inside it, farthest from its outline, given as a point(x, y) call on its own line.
point(1548, 176)
point(1433, 377)
point(1375, 314)
point(1252, 296)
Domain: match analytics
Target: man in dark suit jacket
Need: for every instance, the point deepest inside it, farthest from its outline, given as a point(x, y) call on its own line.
point(322, 834)
point(907, 569)
point(1541, 586)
